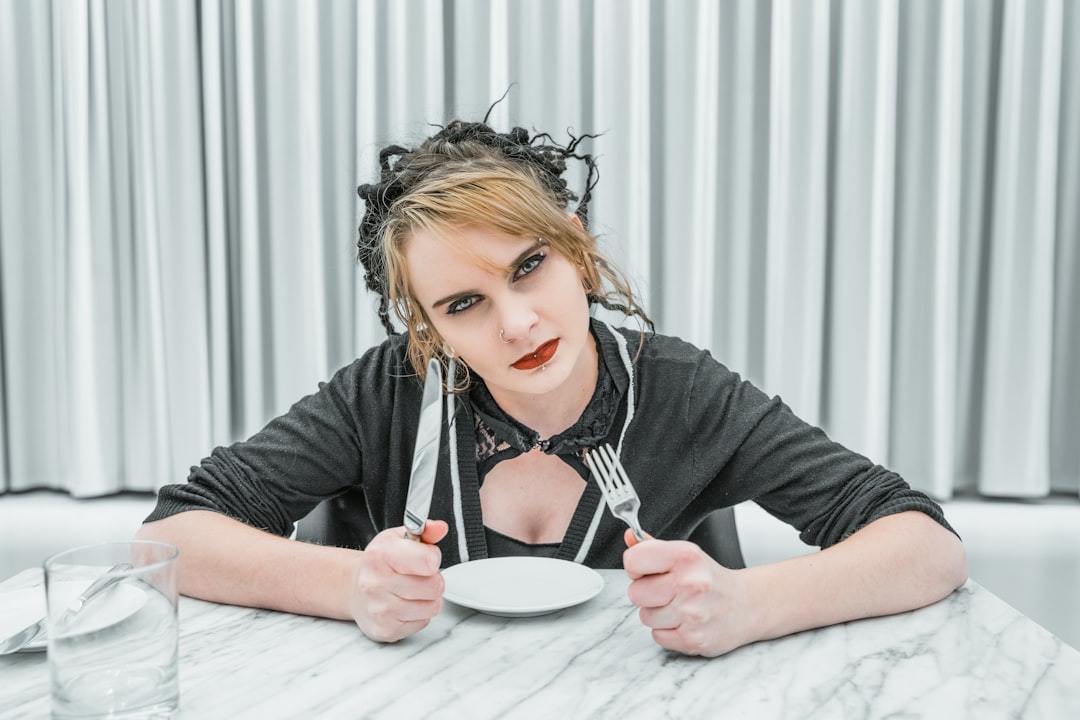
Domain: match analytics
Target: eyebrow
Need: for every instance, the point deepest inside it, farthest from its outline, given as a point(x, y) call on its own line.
point(466, 293)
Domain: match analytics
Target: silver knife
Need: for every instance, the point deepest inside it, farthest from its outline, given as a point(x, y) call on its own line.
point(426, 454)
point(35, 630)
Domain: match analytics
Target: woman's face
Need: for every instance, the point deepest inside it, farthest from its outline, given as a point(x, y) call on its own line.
point(523, 329)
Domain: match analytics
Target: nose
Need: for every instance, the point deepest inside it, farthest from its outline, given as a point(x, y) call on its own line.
point(516, 321)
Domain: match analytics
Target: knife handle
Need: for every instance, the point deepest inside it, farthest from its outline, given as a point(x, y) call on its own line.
point(414, 525)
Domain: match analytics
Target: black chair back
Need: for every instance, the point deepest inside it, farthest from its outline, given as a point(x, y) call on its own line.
point(342, 521)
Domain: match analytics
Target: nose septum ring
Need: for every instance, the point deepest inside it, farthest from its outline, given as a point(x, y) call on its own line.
point(502, 336)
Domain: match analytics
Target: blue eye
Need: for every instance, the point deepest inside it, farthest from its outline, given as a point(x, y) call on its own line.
point(461, 305)
point(529, 266)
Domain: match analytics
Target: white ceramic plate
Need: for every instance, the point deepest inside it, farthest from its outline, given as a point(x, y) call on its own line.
point(520, 586)
point(22, 606)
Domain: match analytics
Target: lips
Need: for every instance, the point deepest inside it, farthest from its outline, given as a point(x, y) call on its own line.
point(537, 357)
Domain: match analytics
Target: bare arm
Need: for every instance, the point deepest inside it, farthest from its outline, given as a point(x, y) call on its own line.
point(226, 561)
point(392, 589)
point(897, 563)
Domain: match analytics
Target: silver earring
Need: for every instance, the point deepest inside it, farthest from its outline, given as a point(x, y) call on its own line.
point(502, 336)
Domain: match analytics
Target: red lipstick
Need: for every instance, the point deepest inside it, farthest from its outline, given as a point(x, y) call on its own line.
point(537, 357)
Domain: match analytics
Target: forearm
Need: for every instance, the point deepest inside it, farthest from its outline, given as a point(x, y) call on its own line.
point(894, 564)
point(258, 569)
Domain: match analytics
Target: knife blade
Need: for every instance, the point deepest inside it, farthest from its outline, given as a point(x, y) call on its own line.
point(426, 454)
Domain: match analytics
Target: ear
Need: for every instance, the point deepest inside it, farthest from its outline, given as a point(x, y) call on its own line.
point(576, 220)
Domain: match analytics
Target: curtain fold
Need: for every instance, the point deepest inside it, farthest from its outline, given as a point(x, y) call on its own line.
point(867, 207)
point(1019, 340)
point(1065, 395)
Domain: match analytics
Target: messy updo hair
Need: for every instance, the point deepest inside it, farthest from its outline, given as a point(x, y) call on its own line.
point(467, 174)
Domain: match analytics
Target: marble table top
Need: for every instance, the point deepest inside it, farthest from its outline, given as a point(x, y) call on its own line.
point(968, 656)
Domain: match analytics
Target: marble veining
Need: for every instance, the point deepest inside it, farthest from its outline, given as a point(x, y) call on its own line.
point(970, 655)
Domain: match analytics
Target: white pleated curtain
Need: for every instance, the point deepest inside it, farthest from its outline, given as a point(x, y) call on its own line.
point(868, 208)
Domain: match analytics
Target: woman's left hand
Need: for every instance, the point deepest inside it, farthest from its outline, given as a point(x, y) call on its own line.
point(693, 604)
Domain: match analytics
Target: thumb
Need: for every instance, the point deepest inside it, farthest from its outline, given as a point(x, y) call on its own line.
point(630, 538)
point(434, 531)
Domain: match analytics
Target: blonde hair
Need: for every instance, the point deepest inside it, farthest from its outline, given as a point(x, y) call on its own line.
point(454, 185)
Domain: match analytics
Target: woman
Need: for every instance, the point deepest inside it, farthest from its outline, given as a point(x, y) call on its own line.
point(469, 241)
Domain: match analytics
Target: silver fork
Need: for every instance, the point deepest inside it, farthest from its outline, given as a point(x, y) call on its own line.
point(615, 486)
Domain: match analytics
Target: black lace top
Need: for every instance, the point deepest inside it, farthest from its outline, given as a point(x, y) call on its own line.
point(500, 437)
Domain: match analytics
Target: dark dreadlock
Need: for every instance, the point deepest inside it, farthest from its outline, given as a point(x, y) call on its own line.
point(400, 172)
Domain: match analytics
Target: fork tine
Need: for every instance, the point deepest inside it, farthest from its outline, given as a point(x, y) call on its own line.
point(620, 472)
point(592, 464)
point(611, 485)
point(605, 467)
point(599, 470)
point(616, 482)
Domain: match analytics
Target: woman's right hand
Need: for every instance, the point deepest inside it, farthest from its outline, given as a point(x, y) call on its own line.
point(396, 586)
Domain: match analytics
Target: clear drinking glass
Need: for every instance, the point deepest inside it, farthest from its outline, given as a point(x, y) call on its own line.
point(114, 654)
